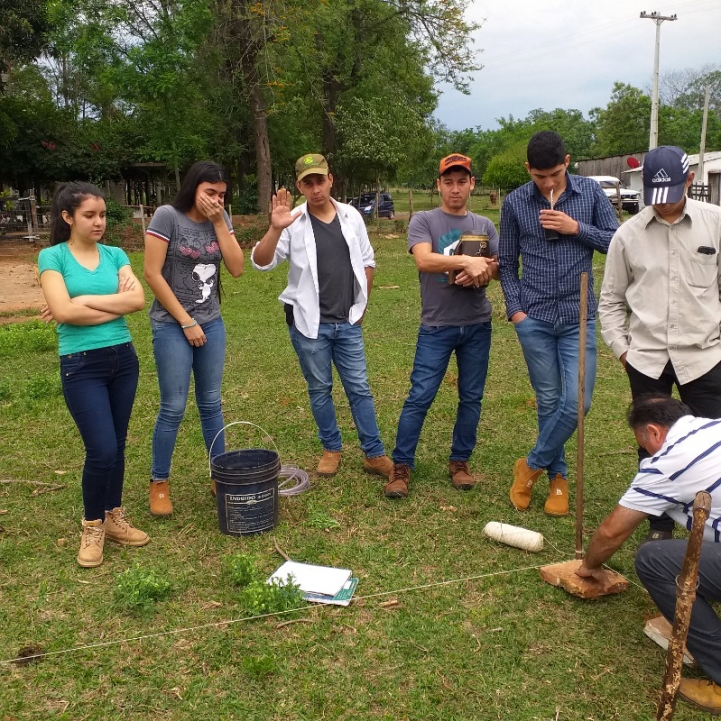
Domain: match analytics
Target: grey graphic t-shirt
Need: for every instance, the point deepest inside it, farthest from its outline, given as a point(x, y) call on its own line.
point(192, 263)
point(443, 304)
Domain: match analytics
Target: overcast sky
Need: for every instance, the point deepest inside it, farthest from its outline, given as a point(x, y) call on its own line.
point(567, 54)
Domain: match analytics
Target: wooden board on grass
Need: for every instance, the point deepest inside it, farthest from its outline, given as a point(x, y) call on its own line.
point(658, 629)
point(564, 575)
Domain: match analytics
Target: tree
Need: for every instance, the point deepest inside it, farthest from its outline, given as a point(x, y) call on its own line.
point(623, 125)
point(507, 170)
point(24, 25)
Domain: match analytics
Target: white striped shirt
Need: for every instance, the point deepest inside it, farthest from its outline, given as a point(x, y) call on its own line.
point(688, 462)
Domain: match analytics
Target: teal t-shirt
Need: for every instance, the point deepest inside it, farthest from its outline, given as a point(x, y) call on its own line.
point(81, 281)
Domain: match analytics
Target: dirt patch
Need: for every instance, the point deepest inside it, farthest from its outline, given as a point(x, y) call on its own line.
point(19, 288)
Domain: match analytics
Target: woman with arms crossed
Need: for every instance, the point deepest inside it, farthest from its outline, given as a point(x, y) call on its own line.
point(89, 288)
point(184, 246)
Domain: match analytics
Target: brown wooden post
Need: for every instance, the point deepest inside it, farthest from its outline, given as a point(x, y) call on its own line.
point(685, 596)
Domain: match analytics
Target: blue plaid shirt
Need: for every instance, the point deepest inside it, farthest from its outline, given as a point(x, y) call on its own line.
point(549, 286)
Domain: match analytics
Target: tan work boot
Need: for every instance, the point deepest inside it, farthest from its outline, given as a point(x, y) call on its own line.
point(523, 480)
point(702, 693)
point(400, 478)
point(328, 464)
point(461, 477)
point(160, 504)
point(118, 528)
point(380, 465)
point(92, 541)
point(557, 501)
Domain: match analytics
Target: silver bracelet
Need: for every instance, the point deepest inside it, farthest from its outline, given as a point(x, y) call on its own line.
point(190, 325)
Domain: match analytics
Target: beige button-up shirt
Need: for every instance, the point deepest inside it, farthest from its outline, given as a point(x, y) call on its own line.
point(672, 289)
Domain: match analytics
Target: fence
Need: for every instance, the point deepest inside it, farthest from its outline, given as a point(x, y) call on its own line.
point(700, 191)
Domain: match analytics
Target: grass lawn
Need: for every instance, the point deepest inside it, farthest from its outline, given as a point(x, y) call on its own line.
point(502, 645)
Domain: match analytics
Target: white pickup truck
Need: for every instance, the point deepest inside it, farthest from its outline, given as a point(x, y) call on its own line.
point(629, 198)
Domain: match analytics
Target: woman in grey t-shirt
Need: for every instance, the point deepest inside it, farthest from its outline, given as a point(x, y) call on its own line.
point(184, 246)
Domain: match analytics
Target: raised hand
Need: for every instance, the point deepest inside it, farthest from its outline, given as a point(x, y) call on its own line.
point(281, 216)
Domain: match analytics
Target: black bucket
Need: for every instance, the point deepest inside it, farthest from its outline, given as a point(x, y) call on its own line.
point(246, 485)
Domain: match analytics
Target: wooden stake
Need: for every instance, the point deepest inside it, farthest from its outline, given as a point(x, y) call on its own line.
point(564, 574)
point(582, 320)
point(685, 596)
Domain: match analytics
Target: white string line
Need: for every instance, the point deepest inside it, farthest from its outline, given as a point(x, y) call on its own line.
point(215, 624)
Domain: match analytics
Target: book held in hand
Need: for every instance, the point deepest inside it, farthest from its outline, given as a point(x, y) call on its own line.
point(478, 245)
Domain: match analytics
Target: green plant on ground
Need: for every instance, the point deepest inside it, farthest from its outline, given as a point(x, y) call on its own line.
point(240, 569)
point(45, 386)
point(259, 597)
point(30, 337)
point(139, 589)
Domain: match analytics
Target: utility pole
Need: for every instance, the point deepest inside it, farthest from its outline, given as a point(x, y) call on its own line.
point(658, 19)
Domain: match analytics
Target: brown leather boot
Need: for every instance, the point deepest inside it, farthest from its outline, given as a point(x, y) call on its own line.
point(702, 693)
point(400, 478)
point(461, 475)
point(557, 501)
point(380, 465)
point(118, 528)
point(523, 480)
point(92, 541)
point(160, 504)
point(328, 464)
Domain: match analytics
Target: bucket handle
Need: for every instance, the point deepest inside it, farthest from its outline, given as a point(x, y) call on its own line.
point(236, 423)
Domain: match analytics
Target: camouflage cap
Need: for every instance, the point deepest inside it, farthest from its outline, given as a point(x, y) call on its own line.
point(309, 164)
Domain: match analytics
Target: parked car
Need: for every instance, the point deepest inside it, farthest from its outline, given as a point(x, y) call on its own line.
point(367, 201)
point(630, 199)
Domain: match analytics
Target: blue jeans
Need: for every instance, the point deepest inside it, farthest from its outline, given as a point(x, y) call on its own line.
point(551, 353)
point(175, 358)
point(658, 563)
point(99, 387)
point(341, 344)
point(472, 344)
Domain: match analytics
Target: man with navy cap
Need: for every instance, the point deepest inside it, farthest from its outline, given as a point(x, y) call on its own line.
point(663, 264)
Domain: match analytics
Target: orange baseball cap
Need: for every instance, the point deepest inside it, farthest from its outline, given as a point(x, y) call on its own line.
point(455, 160)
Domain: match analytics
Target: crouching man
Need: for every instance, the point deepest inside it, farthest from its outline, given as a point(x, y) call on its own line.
point(685, 457)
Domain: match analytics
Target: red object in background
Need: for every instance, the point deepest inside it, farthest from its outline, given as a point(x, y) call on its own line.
point(632, 162)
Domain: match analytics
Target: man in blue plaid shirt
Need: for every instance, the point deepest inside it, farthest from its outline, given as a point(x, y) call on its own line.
point(553, 224)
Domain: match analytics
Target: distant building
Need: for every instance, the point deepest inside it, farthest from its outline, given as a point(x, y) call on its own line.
point(618, 167)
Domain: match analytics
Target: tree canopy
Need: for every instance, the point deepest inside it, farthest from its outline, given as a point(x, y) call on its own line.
point(88, 88)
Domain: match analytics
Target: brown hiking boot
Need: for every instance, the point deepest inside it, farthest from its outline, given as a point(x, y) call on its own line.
point(380, 465)
point(523, 480)
point(557, 501)
point(160, 504)
point(702, 693)
point(328, 464)
point(92, 541)
point(461, 475)
point(398, 481)
point(118, 528)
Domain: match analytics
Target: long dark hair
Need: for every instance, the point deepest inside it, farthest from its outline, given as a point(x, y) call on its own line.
point(68, 197)
point(204, 171)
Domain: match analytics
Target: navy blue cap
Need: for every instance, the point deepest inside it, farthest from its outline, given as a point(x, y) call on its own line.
point(665, 171)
